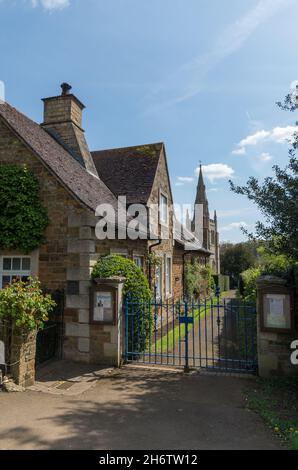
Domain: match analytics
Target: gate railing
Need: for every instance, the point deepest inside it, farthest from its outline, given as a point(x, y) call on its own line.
point(213, 334)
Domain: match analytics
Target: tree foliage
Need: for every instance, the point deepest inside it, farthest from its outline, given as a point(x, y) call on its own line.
point(236, 258)
point(248, 286)
point(23, 219)
point(277, 199)
point(269, 264)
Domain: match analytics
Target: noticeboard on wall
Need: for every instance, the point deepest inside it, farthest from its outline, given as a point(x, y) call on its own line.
point(103, 305)
point(276, 310)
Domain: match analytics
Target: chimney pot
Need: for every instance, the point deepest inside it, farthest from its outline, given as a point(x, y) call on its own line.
point(65, 89)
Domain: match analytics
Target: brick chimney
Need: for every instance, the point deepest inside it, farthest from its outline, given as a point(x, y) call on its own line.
point(63, 121)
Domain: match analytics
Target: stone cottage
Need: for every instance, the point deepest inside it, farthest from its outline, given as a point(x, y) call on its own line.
point(73, 182)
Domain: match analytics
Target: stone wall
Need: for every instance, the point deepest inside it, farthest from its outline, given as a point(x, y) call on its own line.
point(274, 349)
point(162, 184)
point(83, 341)
point(20, 352)
point(178, 273)
point(22, 357)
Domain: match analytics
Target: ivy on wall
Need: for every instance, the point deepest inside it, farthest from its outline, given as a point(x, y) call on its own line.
point(23, 219)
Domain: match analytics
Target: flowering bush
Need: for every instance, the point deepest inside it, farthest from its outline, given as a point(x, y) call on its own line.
point(25, 304)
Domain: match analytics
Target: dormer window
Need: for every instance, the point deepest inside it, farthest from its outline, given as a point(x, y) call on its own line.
point(163, 209)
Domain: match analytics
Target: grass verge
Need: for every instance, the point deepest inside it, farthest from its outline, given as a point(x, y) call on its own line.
point(170, 338)
point(276, 401)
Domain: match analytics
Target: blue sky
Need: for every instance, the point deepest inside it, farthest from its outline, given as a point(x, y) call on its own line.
point(202, 76)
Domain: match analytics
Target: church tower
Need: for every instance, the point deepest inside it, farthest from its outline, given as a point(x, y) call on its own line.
point(205, 228)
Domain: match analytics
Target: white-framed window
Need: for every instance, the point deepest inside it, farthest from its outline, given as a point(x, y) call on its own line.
point(158, 274)
point(168, 274)
point(12, 267)
point(163, 209)
point(139, 260)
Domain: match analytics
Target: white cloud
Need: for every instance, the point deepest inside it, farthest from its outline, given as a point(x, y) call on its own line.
point(279, 135)
point(188, 80)
point(239, 151)
point(283, 134)
point(254, 139)
point(234, 226)
point(185, 179)
point(51, 4)
point(216, 171)
point(265, 157)
point(178, 183)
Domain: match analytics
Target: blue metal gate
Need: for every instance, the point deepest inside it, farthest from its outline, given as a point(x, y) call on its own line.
point(214, 334)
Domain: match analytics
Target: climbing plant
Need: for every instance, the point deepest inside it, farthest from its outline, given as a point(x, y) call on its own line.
point(23, 219)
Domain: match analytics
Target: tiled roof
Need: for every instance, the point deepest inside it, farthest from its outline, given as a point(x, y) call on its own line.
point(90, 190)
point(129, 171)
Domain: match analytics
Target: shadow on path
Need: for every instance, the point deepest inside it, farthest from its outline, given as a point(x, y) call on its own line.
point(137, 409)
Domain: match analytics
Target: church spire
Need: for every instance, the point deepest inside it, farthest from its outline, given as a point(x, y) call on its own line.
point(200, 222)
point(201, 197)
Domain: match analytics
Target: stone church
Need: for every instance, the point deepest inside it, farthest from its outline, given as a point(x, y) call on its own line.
point(203, 227)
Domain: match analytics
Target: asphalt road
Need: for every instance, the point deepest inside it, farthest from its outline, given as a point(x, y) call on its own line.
point(136, 408)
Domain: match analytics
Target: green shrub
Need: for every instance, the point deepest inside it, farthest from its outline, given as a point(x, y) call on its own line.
point(222, 281)
point(136, 290)
point(25, 304)
point(199, 281)
point(23, 219)
point(274, 265)
point(249, 287)
point(136, 285)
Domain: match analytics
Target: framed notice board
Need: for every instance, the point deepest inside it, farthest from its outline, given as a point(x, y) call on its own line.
point(276, 306)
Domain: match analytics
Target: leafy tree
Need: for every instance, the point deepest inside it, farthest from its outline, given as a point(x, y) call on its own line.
point(236, 258)
point(277, 199)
